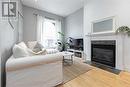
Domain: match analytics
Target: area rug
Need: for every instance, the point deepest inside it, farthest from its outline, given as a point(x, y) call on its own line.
point(71, 71)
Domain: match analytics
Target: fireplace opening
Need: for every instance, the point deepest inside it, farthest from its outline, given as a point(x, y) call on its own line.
point(104, 52)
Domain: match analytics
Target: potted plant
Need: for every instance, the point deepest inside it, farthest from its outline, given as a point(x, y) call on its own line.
point(123, 29)
point(63, 44)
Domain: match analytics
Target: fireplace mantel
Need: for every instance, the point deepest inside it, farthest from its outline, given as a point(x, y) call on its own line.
point(119, 46)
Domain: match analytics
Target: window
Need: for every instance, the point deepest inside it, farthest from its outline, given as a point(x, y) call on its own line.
point(49, 34)
point(47, 31)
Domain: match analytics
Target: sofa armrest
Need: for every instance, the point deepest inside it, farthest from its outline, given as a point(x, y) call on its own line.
point(26, 62)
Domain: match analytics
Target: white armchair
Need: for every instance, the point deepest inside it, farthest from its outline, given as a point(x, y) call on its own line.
point(35, 71)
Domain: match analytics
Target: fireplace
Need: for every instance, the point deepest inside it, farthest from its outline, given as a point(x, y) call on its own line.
point(104, 52)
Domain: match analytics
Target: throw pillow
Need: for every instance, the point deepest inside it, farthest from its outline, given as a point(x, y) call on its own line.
point(19, 51)
point(32, 53)
point(23, 45)
point(31, 44)
point(38, 47)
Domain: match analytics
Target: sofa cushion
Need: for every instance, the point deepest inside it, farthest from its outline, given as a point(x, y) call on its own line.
point(19, 51)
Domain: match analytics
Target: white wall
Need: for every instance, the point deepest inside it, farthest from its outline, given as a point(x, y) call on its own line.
point(74, 24)
point(8, 37)
point(0, 70)
point(98, 9)
point(30, 22)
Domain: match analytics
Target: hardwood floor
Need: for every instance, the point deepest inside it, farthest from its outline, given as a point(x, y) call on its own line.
point(100, 78)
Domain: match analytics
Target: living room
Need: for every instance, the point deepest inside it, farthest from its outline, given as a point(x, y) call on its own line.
point(64, 43)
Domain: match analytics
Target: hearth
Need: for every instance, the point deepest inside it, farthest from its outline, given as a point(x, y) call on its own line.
point(104, 52)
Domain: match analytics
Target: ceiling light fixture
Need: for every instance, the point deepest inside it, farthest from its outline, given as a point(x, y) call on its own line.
point(36, 0)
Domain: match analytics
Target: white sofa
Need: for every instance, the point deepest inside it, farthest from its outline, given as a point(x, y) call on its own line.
point(34, 71)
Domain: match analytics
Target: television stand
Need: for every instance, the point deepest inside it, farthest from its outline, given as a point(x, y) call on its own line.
point(77, 53)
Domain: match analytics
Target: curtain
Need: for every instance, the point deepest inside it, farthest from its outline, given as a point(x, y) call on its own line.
point(59, 36)
point(58, 28)
point(40, 26)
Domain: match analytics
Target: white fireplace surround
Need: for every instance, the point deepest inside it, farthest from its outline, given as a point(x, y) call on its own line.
point(119, 46)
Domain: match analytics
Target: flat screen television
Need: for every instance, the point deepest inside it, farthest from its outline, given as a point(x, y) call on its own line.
point(76, 44)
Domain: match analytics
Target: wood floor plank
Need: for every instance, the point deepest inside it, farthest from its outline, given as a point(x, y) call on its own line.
point(99, 78)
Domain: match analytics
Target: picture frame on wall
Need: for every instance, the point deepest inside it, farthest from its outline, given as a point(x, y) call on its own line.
point(105, 25)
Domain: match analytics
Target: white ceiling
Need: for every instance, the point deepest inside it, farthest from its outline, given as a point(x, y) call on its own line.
point(59, 7)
